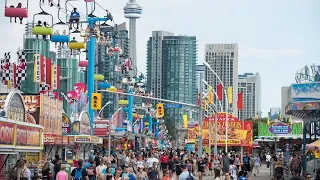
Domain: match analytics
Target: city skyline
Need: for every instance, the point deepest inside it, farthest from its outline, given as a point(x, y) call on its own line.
point(270, 37)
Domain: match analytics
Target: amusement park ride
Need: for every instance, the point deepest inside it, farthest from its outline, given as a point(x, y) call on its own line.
point(127, 77)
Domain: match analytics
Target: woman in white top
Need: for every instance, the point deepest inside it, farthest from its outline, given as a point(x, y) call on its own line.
point(101, 169)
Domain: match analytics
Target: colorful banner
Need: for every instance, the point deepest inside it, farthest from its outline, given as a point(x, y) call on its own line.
point(37, 67)
point(32, 157)
point(66, 125)
point(45, 114)
point(101, 128)
point(51, 115)
point(280, 128)
point(32, 106)
point(6, 134)
point(82, 139)
point(55, 140)
point(85, 128)
point(28, 136)
point(239, 132)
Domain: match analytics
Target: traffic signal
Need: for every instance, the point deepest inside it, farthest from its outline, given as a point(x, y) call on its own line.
point(204, 105)
point(96, 101)
point(160, 110)
point(210, 97)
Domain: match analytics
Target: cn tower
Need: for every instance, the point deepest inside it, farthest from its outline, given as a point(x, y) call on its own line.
point(132, 11)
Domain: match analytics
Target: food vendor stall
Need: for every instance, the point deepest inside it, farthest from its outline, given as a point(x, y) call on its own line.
point(20, 137)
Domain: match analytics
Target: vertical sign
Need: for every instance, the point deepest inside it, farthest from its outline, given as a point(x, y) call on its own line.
point(54, 77)
point(44, 69)
point(37, 76)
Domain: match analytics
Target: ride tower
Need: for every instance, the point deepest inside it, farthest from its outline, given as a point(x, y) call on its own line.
point(132, 11)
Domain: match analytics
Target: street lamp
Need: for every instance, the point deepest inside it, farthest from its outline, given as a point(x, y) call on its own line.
point(225, 93)
point(109, 102)
point(215, 125)
point(111, 130)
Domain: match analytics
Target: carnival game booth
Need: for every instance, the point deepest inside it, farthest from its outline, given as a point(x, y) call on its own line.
point(21, 137)
point(239, 133)
point(81, 139)
point(51, 118)
point(304, 103)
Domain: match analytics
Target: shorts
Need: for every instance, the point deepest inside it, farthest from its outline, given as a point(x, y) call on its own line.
point(74, 20)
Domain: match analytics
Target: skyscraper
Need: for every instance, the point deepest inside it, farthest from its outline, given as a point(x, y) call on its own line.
point(199, 70)
point(132, 11)
point(154, 62)
point(223, 59)
point(106, 63)
point(284, 100)
point(250, 85)
point(171, 66)
point(32, 45)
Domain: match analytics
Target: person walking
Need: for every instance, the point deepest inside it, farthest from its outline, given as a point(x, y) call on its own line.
point(257, 165)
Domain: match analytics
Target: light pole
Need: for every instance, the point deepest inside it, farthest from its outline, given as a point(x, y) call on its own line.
point(215, 124)
point(111, 130)
point(200, 120)
point(109, 102)
point(226, 108)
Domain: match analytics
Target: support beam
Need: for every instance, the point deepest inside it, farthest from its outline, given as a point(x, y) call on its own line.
point(152, 98)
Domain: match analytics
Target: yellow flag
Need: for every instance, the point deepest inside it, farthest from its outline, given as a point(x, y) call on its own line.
point(9, 84)
point(185, 120)
point(230, 94)
point(290, 120)
point(268, 121)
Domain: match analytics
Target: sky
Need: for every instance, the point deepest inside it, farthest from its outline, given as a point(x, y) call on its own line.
point(275, 38)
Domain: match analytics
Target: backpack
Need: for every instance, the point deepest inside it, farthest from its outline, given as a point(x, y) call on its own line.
point(104, 171)
point(78, 175)
point(246, 160)
point(90, 171)
point(190, 177)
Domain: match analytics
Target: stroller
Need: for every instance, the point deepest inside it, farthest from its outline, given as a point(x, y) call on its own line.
point(279, 173)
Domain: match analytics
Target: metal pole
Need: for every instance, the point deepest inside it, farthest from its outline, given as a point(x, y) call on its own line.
point(90, 75)
point(109, 143)
point(216, 133)
point(227, 120)
point(210, 130)
point(200, 119)
point(152, 98)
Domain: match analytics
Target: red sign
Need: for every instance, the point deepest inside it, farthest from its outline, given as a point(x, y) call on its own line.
point(101, 127)
point(28, 136)
point(55, 140)
point(65, 140)
point(6, 133)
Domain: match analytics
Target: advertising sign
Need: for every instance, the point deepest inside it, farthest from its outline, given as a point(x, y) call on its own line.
point(76, 128)
point(6, 134)
point(44, 114)
point(280, 128)
point(82, 139)
point(304, 92)
point(32, 106)
point(239, 132)
point(101, 127)
point(14, 107)
point(59, 117)
point(32, 157)
point(28, 136)
point(66, 125)
point(84, 119)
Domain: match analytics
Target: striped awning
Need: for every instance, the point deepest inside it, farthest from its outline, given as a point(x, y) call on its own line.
point(303, 110)
point(282, 138)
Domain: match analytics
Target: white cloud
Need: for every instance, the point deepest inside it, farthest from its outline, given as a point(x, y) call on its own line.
point(267, 53)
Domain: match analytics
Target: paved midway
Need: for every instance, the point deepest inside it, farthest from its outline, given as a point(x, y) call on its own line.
point(263, 175)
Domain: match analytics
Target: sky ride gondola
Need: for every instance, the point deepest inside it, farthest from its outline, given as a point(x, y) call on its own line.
point(83, 63)
point(61, 38)
point(39, 29)
point(16, 11)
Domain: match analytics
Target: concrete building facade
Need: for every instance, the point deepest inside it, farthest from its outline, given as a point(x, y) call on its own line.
point(250, 85)
point(223, 59)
